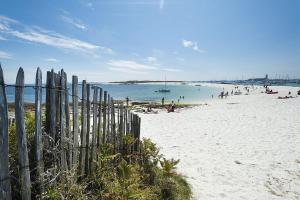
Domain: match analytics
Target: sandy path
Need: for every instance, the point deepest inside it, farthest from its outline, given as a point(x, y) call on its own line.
point(243, 147)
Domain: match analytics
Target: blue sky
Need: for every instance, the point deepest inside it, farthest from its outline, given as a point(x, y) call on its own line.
point(146, 39)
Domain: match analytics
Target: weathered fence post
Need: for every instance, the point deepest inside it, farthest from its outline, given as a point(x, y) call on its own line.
point(21, 137)
point(57, 105)
point(75, 119)
point(121, 127)
point(63, 145)
point(5, 188)
point(100, 118)
point(104, 118)
point(52, 116)
point(94, 132)
point(47, 113)
point(108, 119)
point(83, 129)
point(68, 132)
point(88, 115)
point(38, 131)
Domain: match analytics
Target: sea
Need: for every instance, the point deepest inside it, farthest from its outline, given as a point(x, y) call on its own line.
point(145, 92)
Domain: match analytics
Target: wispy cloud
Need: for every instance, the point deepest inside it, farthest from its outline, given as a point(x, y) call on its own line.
point(134, 67)
point(74, 22)
point(39, 35)
point(161, 4)
point(151, 59)
point(171, 70)
point(193, 45)
point(2, 38)
point(5, 55)
point(51, 60)
point(129, 64)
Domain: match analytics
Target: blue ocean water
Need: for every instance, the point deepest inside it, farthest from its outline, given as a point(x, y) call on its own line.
point(138, 92)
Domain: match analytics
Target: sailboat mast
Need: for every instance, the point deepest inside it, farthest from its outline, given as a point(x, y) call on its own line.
point(165, 82)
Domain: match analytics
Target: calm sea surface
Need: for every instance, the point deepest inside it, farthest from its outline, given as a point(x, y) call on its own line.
point(139, 92)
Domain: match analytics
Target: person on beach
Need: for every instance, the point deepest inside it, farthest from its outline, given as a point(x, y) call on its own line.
point(226, 94)
point(231, 92)
point(163, 101)
point(127, 101)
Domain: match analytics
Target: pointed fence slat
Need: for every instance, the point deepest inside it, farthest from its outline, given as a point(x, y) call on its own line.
point(99, 119)
point(88, 116)
point(83, 129)
point(21, 137)
point(63, 141)
point(38, 131)
point(104, 118)
point(69, 137)
point(93, 144)
point(75, 119)
point(5, 186)
point(57, 105)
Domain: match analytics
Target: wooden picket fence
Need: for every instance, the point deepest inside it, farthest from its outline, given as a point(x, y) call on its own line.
point(73, 131)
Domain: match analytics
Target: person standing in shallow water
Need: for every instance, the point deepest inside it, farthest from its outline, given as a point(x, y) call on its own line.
point(163, 101)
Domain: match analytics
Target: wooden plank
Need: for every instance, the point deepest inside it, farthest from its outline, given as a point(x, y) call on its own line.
point(52, 117)
point(75, 119)
point(63, 142)
point(104, 118)
point(21, 137)
point(113, 125)
point(108, 120)
point(88, 116)
point(69, 137)
point(5, 186)
point(121, 127)
point(83, 128)
point(47, 128)
point(57, 105)
point(100, 119)
point(52, 109)
point(38, 131)
point(94, 132)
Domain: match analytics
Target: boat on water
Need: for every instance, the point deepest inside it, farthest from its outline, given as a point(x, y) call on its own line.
point(164, 90)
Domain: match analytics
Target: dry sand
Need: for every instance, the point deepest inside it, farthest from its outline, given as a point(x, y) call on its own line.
point(242, 147)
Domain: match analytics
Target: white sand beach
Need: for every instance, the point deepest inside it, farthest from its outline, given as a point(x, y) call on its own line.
point(242, 147)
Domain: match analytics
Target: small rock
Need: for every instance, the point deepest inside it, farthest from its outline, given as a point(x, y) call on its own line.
point(237, 162)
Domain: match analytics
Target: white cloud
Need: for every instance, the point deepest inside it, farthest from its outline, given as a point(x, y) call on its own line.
point(131, 65)
point(129, 71)
point(187, 43)
point(161, 4)
point(5, 55)
point(171, 70)
point(2, 38)
point(151, 59)
point(73, 22)
point(192, 45)
point(51, 60)
point(180, 59)
point(46, 37)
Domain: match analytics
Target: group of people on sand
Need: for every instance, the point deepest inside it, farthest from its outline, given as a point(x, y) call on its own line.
point(171, 107)
point(289, 95)
point(223, 94)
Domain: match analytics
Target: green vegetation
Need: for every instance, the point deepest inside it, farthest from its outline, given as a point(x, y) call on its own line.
point(123, 176)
